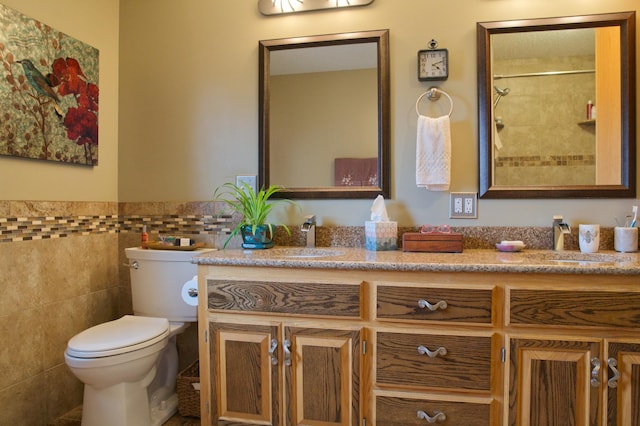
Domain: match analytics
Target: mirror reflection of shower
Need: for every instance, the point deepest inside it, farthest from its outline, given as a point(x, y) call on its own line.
point(500, 93)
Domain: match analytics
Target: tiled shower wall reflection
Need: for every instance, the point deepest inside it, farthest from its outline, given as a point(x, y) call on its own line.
point(62, 271)
point(545, 137)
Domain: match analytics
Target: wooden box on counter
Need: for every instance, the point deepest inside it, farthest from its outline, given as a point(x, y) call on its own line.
point(432, 242)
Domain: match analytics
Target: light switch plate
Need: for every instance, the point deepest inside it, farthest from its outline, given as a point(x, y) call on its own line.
point(463, 205)
point(250, 180)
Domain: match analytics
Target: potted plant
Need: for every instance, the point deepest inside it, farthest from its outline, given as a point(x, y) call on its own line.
point(254, 209)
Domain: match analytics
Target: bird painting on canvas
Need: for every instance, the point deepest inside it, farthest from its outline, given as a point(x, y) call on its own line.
point(41, 84)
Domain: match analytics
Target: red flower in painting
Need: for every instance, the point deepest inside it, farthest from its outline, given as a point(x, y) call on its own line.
point(68, 72)
point(82, 126)
point(81, 122)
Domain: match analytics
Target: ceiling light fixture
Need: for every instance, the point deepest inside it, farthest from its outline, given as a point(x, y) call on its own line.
point(278, 7)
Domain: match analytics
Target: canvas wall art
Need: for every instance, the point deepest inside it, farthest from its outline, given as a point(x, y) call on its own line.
point(48, 92)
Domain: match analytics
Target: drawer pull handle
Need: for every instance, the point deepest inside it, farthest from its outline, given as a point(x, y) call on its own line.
point(272, 352)
point(613, 382)
point(424, 304)
point(595, 372)
point(286, 345)
point(423, 350)
point(438, 416)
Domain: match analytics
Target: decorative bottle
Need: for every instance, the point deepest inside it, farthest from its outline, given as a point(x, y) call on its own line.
point(144, 238)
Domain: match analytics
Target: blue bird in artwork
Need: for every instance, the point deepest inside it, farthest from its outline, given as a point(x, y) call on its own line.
point(40, 83)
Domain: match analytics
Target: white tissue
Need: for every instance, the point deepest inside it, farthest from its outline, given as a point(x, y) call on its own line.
point(189, 285)
point(379, 210)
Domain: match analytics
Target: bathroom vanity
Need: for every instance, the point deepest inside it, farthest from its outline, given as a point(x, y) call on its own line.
point(342, 336)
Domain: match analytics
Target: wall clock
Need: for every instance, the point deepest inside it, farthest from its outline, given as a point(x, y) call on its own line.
point(433, 64)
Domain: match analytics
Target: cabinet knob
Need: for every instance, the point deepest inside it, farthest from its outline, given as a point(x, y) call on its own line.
point(422, 304)
point(423, 350)
point(595, 372)
point(613, 364)
point(438, 416)
point(272, 352)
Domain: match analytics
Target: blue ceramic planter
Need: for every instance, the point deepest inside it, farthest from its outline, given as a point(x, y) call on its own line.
point(261, 239)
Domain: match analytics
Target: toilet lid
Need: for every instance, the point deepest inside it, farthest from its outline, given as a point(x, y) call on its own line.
point(123, 335)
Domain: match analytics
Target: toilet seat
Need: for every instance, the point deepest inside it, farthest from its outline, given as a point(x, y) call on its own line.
point(127, 334)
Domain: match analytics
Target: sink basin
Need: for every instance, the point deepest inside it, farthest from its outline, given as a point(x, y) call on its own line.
point(582, 262)
point(582, 259)
point(307, 252)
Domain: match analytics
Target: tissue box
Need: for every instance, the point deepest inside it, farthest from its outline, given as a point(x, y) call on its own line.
point(435, 242)
point(381, 236)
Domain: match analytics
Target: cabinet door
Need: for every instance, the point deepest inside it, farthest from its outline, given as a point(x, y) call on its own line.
point(551, 382)
point(244, 372)
point(623, 384)
point(322, 379)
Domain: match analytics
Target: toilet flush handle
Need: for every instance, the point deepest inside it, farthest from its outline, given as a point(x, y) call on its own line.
point(132, 265)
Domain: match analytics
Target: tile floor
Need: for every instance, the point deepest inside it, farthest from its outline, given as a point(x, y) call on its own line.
point(74, 418)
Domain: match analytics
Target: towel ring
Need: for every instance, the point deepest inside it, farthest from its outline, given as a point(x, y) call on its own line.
point(433, 94)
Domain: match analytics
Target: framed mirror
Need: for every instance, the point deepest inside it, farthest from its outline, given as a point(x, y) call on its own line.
point(556, 107)
point(324, 115)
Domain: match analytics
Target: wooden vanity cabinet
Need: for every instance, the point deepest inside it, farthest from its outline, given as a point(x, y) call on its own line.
point(303, 346)
point(566, 364)
point(281, 352)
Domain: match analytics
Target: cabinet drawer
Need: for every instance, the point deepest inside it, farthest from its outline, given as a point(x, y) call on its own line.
point(396, 411)
point(574, 308)
point(408, 303)
point(327, 299)
point(465, 365)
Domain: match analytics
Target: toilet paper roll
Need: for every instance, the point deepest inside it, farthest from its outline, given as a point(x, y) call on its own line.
point(190, 291)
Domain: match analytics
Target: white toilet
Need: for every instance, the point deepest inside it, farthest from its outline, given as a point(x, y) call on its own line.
point(129, 366)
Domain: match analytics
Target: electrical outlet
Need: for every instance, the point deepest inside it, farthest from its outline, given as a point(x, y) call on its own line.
point(463, 205)
point(251, 180)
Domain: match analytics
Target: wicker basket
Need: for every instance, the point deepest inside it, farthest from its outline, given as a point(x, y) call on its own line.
point(188, 396)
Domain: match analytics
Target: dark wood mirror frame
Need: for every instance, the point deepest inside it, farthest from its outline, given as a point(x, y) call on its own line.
point(381, 38)
point(627, 189)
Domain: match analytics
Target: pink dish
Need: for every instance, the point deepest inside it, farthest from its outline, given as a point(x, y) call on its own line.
point(510, 247)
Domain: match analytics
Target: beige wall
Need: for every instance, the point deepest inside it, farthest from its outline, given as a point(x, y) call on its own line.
point(302, 105)
point(94, 23)
point(189, 100)
point(59, 260)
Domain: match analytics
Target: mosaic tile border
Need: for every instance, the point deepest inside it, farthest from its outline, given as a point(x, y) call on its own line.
point(41, 220)
point(551, 160)
point(16, 229)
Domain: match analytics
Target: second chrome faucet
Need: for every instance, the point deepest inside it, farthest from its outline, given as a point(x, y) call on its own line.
point(560, 229)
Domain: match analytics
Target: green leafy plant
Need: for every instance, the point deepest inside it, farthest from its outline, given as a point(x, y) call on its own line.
point(253, 207)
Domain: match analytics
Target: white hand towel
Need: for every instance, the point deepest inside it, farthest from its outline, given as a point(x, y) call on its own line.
point(433, 153)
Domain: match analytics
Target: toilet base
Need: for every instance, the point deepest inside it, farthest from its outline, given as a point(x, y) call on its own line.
point(125, 404)
point(164, 411)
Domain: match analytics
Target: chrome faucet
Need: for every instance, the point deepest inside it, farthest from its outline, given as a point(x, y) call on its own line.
point(309, 227)
point(560, 229)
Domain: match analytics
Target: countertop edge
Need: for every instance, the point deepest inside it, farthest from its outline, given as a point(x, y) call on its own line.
point(535, 261)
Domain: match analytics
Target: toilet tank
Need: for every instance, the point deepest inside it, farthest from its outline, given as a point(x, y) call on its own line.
point(157, 279)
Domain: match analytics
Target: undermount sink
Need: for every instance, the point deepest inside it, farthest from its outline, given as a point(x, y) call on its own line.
point(583, 259)
point(306, 252)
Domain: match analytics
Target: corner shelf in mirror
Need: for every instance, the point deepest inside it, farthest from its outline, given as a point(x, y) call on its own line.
point(591, 122)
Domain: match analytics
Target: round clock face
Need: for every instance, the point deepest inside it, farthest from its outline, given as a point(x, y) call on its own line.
point(433, 64)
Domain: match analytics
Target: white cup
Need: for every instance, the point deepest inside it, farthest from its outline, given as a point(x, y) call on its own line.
point(589, 238)
point(625, 239)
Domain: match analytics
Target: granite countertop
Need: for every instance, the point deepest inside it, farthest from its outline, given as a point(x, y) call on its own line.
point(473, 260)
